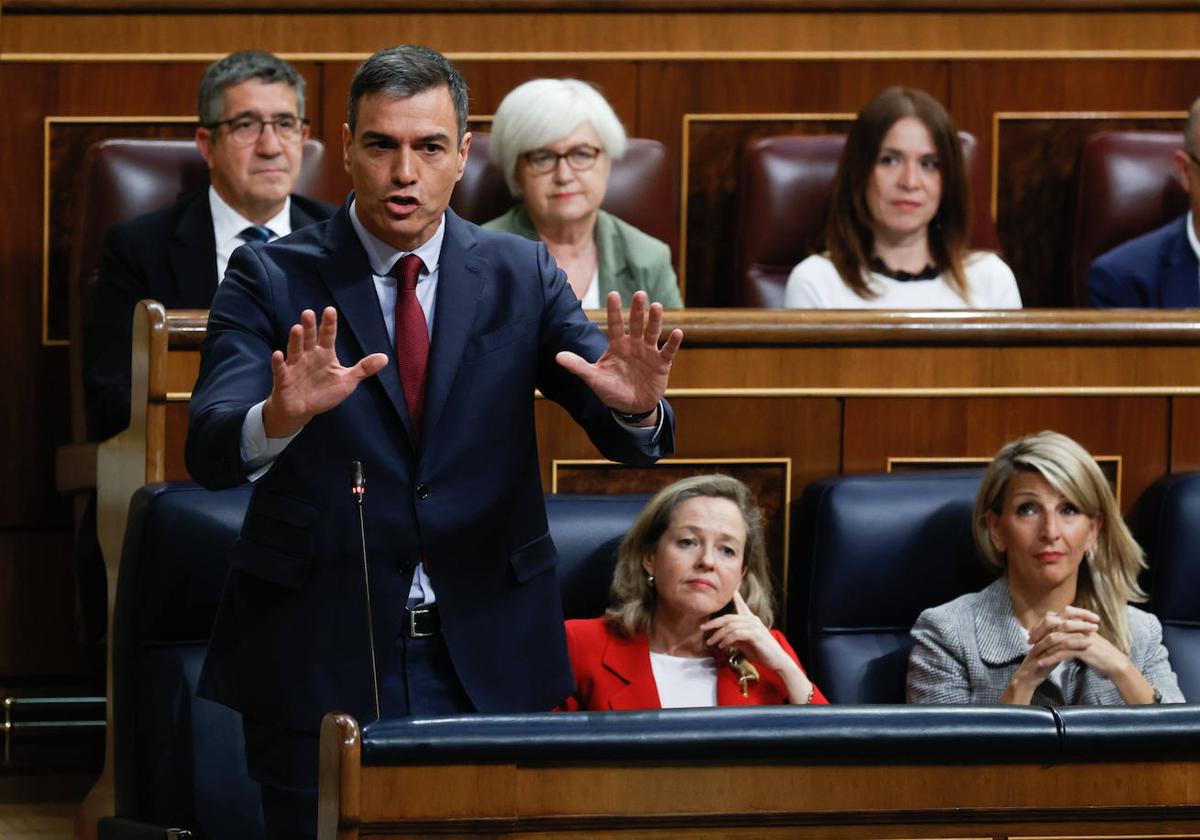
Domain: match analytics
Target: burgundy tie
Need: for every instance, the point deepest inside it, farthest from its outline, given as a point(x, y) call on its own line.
point(412, 337)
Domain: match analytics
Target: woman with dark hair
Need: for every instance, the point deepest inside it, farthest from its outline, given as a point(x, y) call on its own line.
point(899, 219)
point(1056, 628)
point(691, 607)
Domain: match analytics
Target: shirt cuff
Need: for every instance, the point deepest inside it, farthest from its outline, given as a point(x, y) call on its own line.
point(642, 434)
point(257, 450)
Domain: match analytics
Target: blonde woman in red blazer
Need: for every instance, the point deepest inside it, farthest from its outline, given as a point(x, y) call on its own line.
point(689, 624)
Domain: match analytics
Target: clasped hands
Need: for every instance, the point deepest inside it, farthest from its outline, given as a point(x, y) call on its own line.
point(1071, 633)
point(308, 379)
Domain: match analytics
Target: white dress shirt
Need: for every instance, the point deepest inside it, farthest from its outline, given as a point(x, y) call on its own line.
point(228, 223)
point(259, 452)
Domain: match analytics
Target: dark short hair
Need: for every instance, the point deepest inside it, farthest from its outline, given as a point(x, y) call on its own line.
point(239, 67)
point(404, 71)
point(848, 233)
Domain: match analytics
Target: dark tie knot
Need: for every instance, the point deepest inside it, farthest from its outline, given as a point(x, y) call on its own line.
point(256, 233)
point(406, 271)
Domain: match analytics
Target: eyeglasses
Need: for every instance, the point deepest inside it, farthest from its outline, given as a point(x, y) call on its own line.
point(245, 130)
point(579, 158)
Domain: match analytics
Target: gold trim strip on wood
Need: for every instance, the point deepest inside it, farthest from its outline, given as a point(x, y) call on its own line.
point(984, 460)
point(899, 393)
point(47, 122)
point(1060, 115)
point(951, 391)
point(654, 55)
point(685, 157)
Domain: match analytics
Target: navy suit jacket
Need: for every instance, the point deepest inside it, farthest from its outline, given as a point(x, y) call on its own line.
point(1156, 270)
point(170, 256)
point(290, 639)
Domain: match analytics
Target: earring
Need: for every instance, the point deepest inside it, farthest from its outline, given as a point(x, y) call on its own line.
point(650, 581)
point(1087, 556)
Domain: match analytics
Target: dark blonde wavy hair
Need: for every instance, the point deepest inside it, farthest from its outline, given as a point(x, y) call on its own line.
point(1108, 579)
point(849, 238)
point(632, 599)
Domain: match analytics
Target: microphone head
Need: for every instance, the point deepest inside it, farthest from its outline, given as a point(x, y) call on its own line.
point(358, 482)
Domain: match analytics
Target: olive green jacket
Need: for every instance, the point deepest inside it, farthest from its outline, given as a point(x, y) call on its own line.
point(629, 259)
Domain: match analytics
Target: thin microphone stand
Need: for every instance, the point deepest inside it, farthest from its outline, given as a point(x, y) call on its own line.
point(358, 488)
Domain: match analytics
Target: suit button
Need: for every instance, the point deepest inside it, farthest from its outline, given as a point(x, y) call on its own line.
point(422, 492)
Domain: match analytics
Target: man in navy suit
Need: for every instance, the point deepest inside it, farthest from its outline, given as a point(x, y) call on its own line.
point(1161, 268)
point(422, 364)
point(251, 135)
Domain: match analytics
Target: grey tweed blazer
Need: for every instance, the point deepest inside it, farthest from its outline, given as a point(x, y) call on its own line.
point(967, 650)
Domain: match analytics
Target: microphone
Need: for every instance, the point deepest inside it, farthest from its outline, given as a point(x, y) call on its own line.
point(358, 488)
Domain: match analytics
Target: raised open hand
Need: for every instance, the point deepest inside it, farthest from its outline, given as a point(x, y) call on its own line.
point(631, 376)
point(310, 380)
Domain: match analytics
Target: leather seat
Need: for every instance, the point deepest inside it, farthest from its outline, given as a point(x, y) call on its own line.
point(1128, 186)
point(641, 189)
point(124, 178)
point(179, 759)
point(874, 551)
point(1167, 524)
point(784, 195)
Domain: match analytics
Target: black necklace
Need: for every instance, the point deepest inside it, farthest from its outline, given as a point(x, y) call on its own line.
point(880, 267)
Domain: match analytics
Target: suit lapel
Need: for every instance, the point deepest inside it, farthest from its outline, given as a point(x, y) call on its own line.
point(193, 264)
point(615, 273)
point(460, 277)
point(348, 276)
point(629, 659)
point(1000, 636)
point(1181, 273)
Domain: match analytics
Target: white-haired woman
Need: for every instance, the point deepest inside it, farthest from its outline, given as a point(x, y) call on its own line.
point(1056, 628)
point(555, 140)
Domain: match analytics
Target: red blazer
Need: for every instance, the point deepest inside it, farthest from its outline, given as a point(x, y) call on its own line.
point(612, 672)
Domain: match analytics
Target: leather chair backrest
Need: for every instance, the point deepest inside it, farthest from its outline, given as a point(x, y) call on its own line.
point(179, 758)
point(641, 189)
point(587, 530)
point(784, 194)
point(876, 550)
point(1127, 186)
point(124, 178)
point(1167, 523)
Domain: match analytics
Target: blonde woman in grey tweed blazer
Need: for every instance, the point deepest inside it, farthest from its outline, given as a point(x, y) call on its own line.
point(1056, 628)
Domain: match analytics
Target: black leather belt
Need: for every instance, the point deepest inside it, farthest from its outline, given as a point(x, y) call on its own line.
point(423, 622)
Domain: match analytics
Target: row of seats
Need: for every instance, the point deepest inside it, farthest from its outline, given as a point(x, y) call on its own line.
point(1127, 186)
point(874, 551)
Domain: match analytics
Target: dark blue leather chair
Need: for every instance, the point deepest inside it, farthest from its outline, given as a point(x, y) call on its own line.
point(874, 551)
point(179, 759)
point(1167, 524)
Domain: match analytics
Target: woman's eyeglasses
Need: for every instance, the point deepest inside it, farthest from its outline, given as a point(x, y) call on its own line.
point(245, 130)
point(579, 158)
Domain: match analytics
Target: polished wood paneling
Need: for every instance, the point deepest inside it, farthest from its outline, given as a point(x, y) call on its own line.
point(566, 32)
point(37, 601)
point(1038, 158)
point(1135, 429)
point(641, 797)
point(1185, 434)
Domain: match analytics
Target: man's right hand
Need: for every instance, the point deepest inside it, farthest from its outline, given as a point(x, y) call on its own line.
point(310, 380)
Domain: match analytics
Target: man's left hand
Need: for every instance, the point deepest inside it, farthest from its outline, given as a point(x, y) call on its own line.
point(631, 376)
